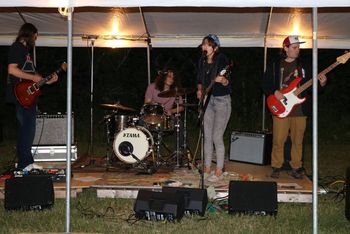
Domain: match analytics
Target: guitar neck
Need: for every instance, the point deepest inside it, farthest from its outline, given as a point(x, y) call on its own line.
point(309, 82)
point(47, 78)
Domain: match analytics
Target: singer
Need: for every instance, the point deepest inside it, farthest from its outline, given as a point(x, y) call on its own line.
point(218, 109)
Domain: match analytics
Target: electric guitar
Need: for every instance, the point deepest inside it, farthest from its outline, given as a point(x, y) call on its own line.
point(282, 108)
point(207, 92)
point(27, 91)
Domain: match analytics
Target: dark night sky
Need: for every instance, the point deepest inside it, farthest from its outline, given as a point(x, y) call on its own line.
point(121, 75)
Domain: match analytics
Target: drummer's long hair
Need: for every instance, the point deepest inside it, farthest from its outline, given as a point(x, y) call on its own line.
point(160, 79)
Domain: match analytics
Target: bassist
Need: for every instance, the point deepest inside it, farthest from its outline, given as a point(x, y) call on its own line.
point(279, 75)
point(21, 68)
point(217, 111)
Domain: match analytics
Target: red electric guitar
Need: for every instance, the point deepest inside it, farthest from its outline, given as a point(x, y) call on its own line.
point(27, 91)
point(282, 108)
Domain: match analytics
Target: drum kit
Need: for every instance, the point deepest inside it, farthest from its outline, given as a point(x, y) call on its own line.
point(135, 137)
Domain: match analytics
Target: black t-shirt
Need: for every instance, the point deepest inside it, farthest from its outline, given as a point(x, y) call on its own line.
point(18, 54)
point(291, 72)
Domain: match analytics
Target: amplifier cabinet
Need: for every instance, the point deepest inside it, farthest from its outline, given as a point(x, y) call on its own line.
point(251, 147)
point(52, 130)
point(53, 153)
point(32, 192)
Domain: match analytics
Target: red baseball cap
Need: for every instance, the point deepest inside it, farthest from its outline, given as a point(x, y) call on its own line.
point(292, 40)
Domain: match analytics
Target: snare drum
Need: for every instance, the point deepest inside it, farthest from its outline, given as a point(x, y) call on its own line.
point(152, 113)
point(132, 145)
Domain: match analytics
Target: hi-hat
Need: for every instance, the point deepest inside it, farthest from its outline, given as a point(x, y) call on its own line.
point(176, 92)
point(117, 106)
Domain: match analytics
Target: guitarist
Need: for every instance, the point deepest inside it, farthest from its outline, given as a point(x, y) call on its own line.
point(218, 110)
point(21, 68)
point(278, 75)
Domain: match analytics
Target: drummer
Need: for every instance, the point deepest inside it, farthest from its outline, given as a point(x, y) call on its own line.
point(166, 80)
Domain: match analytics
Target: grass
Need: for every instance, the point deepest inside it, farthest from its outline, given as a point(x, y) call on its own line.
point(88, 213)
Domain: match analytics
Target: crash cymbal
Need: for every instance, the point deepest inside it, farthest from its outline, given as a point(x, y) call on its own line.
point(117, 106)
point(176, 92)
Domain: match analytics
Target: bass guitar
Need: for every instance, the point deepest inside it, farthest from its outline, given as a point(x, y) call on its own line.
point(226, 71)
point(282, 108)
point(27, 92)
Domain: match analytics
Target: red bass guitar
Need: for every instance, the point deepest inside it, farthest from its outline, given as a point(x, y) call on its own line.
point(27, 92)
point(282, 108)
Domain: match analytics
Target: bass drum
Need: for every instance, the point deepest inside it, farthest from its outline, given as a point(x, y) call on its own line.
point(132, 145)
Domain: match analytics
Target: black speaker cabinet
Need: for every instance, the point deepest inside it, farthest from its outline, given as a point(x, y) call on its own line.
point(251, 147)
point(159, 206)
point(52, 130)
point(252, 197)
point(347, 194)
point(32, 192)
point(196, 199)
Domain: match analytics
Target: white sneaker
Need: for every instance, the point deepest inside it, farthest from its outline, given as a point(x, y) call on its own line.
point(215, 178)
point(207, 175)
point(32, 166)
point(36, 166)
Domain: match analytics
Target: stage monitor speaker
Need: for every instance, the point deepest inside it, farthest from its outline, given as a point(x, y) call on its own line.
point(51, 130)
point(252, 197)
point(196, 199)
point(32, 192)
point(159, 206)
point(251, 147)
point(347, 194)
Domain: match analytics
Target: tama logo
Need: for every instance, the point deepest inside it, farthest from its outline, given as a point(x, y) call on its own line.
point(134, 135)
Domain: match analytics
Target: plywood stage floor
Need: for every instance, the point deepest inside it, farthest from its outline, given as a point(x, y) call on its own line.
point(124, 181)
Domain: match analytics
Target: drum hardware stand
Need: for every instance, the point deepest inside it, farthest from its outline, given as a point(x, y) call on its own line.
point(186, 150)
point(177, 152)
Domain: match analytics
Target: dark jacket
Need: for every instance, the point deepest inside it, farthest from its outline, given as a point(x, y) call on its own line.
point(220, 62)
point(271, 82)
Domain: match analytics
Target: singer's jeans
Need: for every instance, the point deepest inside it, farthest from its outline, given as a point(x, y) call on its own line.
point(216, 118)
point(26, 120)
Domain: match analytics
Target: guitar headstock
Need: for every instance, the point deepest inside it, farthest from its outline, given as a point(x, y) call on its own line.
point(344, 58)
point(64, 66)
point(227, 70)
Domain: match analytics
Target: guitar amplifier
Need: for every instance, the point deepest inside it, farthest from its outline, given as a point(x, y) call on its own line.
point(53, 153)
point(251, 147)
point(52, 130)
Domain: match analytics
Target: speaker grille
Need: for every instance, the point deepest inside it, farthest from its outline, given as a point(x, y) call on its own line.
point(251, 147)
point(51, 130)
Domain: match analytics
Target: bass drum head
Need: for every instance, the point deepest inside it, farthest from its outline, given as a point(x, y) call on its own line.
point(132, 145)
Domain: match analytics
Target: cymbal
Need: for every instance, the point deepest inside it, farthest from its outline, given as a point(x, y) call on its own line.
point(176, 92)
point(117, 106)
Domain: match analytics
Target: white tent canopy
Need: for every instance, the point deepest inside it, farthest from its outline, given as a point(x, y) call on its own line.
point(177, 26)
point(171, 3)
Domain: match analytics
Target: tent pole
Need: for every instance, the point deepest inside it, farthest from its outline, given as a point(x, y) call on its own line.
point(91, 148)
point(314, 121)
point(265, 64)
point(69, 118)
point(149, 46)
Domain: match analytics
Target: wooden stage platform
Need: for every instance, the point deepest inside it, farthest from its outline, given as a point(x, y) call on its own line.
point(120, 182)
